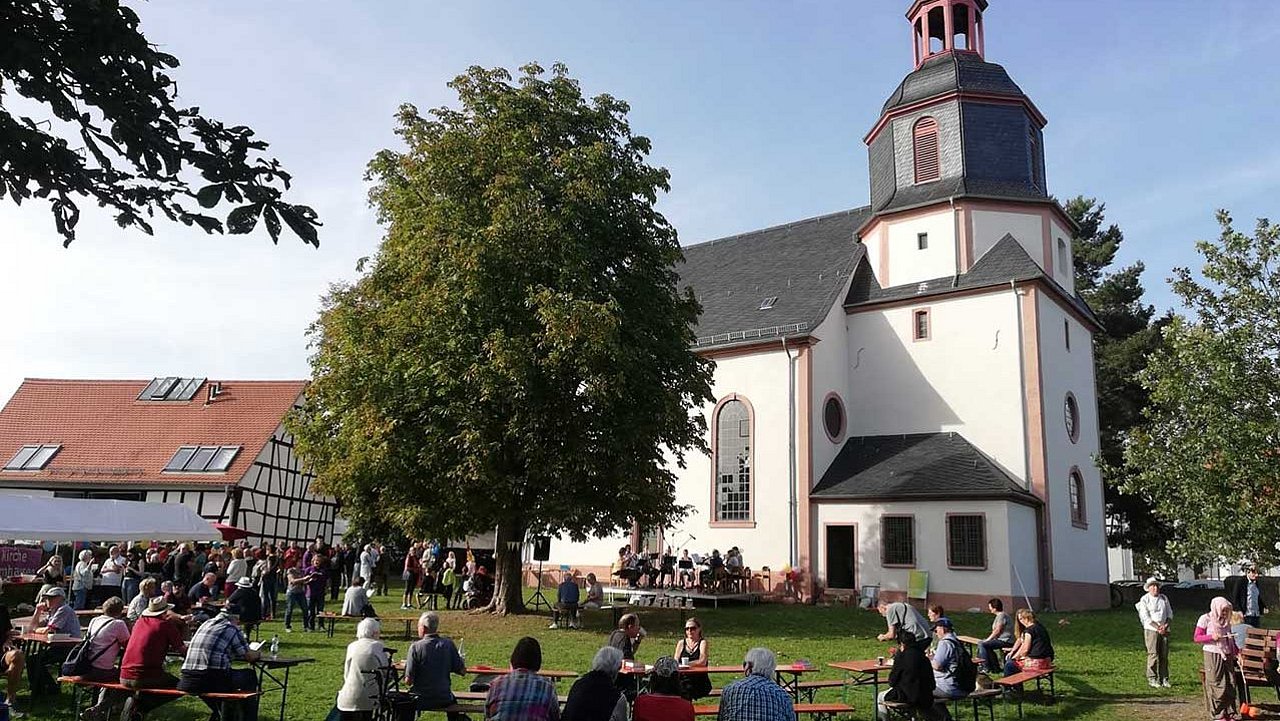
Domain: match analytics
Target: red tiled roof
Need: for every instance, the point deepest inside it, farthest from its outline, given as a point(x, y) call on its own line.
point(108, 436)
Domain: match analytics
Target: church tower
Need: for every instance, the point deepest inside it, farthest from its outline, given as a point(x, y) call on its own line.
point(957, 142)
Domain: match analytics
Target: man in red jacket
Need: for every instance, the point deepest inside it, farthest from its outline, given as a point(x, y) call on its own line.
point(158, 632)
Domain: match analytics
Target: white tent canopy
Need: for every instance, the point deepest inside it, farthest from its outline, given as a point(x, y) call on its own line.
point(79, 519)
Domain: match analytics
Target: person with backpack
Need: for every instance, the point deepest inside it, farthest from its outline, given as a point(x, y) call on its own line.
point(107, 637)
point(954, 673)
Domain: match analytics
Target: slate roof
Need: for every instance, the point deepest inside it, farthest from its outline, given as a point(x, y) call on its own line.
point(1005, 261)
point(110, 437)
point(915, 466)
point(805, 264)
point(947, 73)
point(915, 196)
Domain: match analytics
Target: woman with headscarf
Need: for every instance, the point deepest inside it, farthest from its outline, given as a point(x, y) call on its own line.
point(1213, 633)
point(595, 696)
point(663, 701)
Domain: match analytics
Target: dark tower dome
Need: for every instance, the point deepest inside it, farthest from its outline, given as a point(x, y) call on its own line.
point(956, 126)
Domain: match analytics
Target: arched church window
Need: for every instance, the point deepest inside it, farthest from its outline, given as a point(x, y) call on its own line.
point(733, 461)
point(1076, 494)
point(928, 167)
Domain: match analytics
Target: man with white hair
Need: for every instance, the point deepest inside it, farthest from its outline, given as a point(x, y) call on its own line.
point(595, 695)
point(365, 656)
point(757, 697)
point(431, 659)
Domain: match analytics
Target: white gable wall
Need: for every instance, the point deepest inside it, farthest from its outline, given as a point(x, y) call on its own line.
point(990, 227)
point(830, 374)
point(965, 378)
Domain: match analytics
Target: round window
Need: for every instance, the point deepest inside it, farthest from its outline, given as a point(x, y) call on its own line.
point(1071, 417)
point(833, 418)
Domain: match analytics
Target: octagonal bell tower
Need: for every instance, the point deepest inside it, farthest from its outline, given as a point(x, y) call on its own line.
point(956, 128)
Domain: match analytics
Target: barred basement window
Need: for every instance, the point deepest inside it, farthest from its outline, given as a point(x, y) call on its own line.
point(927, 162)
point(898, 540)
point(967, 541)
point(733, 462)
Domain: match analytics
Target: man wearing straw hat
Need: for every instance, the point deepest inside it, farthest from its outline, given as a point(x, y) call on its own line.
point(1155, 613)
point(157, 633)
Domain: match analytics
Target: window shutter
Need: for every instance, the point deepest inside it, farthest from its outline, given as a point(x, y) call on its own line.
point(928, 167)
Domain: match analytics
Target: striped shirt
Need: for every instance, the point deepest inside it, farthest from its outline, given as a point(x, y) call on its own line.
point(521, 696)
point(755, 698)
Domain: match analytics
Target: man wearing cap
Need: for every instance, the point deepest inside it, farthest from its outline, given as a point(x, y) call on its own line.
point(157, 632)
point(945, 660)
point(1155, 613)
point(58, 616)
point(207, 668)
point(1248, 598)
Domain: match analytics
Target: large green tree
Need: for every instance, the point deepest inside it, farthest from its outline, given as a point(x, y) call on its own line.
point(1207, 452)
point(118, 136)
point(517, 355)
point(1131, 332)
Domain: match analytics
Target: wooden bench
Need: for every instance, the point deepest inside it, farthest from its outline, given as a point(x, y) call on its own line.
point(819, 711)
point(221, 698)
point(1258, 661)
point(809, 688)
point(1013, 685)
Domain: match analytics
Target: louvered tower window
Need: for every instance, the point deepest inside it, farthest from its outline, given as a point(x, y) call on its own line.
point(928, 167)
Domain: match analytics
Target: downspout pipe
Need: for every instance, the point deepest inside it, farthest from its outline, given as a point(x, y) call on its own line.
point(793, 517)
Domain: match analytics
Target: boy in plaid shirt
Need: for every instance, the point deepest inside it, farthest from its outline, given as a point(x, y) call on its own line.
point(207, 668)
point(522, 695)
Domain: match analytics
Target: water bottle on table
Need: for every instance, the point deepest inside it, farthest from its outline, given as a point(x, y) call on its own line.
point(275, 646)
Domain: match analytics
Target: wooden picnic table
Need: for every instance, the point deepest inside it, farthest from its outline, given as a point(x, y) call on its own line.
point(788, 676)
point(863, 673)
point(972, 642)
point(545, 673)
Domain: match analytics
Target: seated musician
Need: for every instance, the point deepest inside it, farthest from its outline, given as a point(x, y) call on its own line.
point(685, 564)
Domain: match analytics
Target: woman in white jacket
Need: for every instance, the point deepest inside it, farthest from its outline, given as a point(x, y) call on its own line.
point(365, 655)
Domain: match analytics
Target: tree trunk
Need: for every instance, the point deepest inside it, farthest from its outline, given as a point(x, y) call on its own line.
point(508, 592)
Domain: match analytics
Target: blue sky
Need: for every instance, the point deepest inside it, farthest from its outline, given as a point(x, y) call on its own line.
point(758, 109)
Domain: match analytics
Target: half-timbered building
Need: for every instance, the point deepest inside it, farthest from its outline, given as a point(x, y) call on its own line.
point(219, 447)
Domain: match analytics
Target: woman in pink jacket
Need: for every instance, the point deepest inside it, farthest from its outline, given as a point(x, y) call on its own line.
point(1213, 632)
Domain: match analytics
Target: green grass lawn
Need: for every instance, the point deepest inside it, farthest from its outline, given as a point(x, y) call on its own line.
point(1100, 656)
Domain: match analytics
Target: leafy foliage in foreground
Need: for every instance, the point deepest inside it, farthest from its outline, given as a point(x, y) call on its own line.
point(110, 92)
point(1207, 453)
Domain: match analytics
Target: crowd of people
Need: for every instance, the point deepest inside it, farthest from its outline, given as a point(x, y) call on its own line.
point(608, 691)
point(933, 667)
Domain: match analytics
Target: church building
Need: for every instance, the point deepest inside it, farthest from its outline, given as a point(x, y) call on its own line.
point(910, 385)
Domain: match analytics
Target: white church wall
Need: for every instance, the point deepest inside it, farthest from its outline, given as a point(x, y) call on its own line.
point(1062, 272)
point(1079, 554)
point(931, 546)
point(966, 377)
point(1023, 555)
point(990, 227)
point(830, 374)
point(761, 379)
point(907, 262)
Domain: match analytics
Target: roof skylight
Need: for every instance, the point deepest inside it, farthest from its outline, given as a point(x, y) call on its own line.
point(769, 302)
point(171, 388)
point(32, 458)
point(202, 459)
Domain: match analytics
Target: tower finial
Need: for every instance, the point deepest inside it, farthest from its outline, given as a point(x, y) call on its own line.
point(945, 26)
